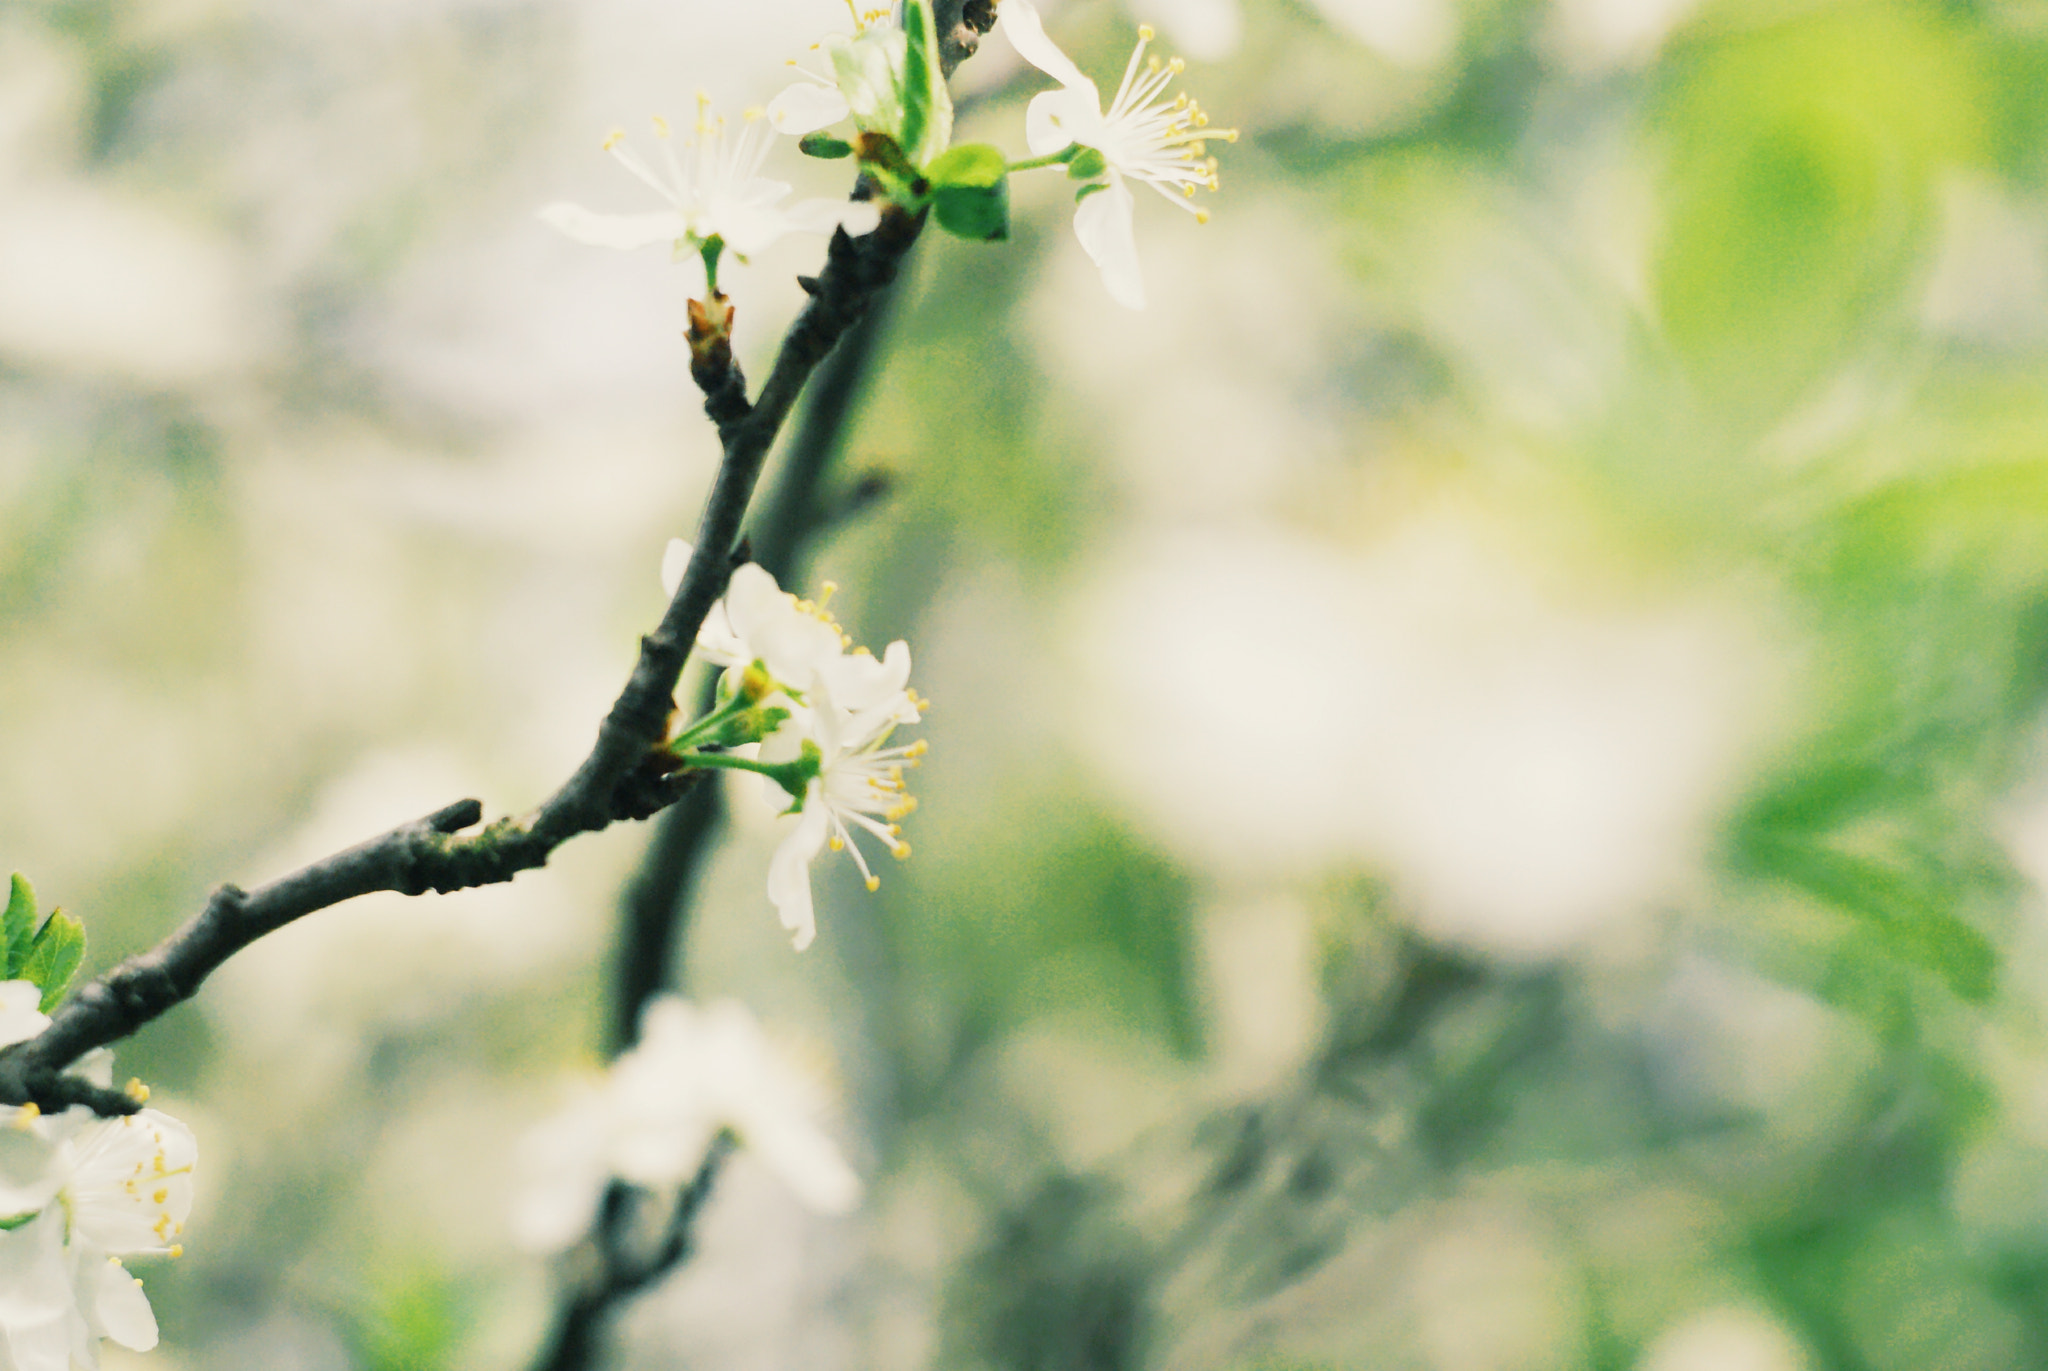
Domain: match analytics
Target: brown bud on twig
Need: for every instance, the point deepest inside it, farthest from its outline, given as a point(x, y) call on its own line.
point(710, 338)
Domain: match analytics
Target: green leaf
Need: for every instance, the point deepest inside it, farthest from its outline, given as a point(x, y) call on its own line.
point(927, 108)
point(824, 145)
point(19, 925)
point(54, 956)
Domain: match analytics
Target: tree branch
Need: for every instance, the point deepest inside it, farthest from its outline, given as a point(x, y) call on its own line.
point(613, 1270)
point(624, 777)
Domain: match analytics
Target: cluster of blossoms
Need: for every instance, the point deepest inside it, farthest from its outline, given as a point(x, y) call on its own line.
point(694, 1074)
point(884, 79)
point(77, 1194)
point(821, 715)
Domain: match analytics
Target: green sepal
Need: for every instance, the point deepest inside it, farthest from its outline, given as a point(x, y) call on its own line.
point(824, 145)
point(975, 165)
point(53, 957)
point(1084, 192)
point(9, 1224)
point(927, 108)
point(19, 924)
point(1087, 164)
point(971, 192)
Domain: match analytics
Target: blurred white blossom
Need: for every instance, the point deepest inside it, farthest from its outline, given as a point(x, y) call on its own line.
point(695, 1072)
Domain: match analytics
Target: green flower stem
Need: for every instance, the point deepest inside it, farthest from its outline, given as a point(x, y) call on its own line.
point(710, 723)
point(793, 776)
point(1051, 159)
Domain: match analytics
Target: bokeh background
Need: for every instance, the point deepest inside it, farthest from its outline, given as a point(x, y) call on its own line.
point(1488, 795)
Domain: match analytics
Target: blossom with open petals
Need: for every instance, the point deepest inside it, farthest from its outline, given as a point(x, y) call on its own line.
point(857, 784)
point(714, 192)
point(1141, 136)
point(111, 1188)
point(694, 1073)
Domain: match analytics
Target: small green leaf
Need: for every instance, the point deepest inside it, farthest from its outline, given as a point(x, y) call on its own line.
point(824, 145)
point(980, 214)
point(1087, 165)
point(54, 956)
point(927, 108)
point(19, 925)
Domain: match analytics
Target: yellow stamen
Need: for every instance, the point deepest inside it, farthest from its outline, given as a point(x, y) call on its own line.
point(661, 128)
point(1146, 33)
point(30, 1112)
point(614, 138)
point(874, 884)
point(137, 1091)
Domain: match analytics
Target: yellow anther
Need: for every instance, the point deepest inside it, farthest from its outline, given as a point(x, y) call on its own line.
point(846, 640)
point(1146, 33)
point(836, 843)
point(918, 748)
point(661, 128)
point(1188, 191)
point(752, 113)
point(614, 138)
point(1177, 66)
point(1152, 64)
point(1195, 149)
point(1201, 216)
point(874, 884)
point(901, 852)
point(113, 1261)
point(129, 1186)
point(160, 1196)
point(862, 651)
point(30, 1112)
point(1228, 135)
point(136, 1090)
point(177, 1249)
point(1201, 120)
point(895, 830)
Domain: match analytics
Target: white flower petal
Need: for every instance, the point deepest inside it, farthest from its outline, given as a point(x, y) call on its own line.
point(1019, 21)
point(130, 1183)
point(622, 231)
point(752, 225)
point(789, 870)
point(118, 1309)
point(1103, 224)
point(805, 107)
point(1055, 118)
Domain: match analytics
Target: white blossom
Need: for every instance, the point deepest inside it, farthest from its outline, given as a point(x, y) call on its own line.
point(858, 785)
point(714, 194)
point(101, 1189)
point(1141, 136)
point(694, 1073)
